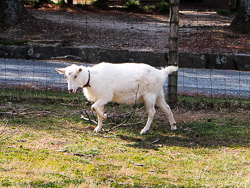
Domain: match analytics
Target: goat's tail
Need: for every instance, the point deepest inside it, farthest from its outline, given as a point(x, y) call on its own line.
point(168, 70)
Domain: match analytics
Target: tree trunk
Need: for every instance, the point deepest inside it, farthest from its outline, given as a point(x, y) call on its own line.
point(12, 12)
point(241, 21)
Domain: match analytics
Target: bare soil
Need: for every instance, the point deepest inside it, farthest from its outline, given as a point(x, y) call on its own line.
point(200, 31)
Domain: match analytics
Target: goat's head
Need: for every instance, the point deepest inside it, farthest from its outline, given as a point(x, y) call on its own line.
point(73, 76)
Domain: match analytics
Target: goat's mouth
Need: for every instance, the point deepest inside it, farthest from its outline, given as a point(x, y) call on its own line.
point(71, 91)
point(74, 91)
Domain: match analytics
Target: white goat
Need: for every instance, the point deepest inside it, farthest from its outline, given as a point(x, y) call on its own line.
point(121, 83)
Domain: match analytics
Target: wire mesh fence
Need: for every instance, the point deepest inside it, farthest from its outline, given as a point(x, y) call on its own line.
point(201, 32)
point(214, 83)
point(41, 75)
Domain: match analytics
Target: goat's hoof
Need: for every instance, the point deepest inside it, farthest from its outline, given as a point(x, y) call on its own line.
point(97, 130)
point(173, 127)
point(143, 131)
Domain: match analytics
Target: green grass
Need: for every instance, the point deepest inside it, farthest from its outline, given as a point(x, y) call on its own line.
point(210, 148)
point(200, 103)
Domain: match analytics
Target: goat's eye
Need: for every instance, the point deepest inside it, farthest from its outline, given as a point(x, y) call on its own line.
point(65, 76)
point(75, 76)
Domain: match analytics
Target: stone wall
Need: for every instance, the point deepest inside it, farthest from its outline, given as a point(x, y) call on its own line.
point(95, 55)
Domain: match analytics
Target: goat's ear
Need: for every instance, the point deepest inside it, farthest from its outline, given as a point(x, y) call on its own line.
point(79, 70)
point(61, 71)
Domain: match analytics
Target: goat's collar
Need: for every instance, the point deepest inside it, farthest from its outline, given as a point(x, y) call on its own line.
point(87, 84)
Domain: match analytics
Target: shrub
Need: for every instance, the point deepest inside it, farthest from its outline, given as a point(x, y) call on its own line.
point(148, 8)
point(132, 4)
point(40, 2)
point(226, 12)
point(162, 7)
point(61, 2)
point(45, 1)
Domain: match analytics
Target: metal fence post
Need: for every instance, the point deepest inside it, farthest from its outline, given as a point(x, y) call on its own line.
point(173, 51)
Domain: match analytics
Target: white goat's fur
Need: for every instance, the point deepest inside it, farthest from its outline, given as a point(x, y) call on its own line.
point(125, 83)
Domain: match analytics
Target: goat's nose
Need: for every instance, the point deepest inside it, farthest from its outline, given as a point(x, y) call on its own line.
point(70, 90)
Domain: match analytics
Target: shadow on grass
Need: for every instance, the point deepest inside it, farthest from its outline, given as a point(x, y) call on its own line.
point(193, 135)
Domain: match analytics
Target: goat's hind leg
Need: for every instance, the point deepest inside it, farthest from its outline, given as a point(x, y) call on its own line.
point(165, 108)
point(150, 106)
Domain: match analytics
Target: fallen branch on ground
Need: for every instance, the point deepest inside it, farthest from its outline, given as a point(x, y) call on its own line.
point(123, 118)
point(6, 133)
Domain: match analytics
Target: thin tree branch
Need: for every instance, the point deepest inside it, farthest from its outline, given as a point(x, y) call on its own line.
point(4, 134)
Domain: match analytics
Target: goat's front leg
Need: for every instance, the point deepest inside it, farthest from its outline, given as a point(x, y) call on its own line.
point(98, 108)
point(99, 126)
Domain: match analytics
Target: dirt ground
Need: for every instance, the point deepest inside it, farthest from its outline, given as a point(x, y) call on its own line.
point(200, 31)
